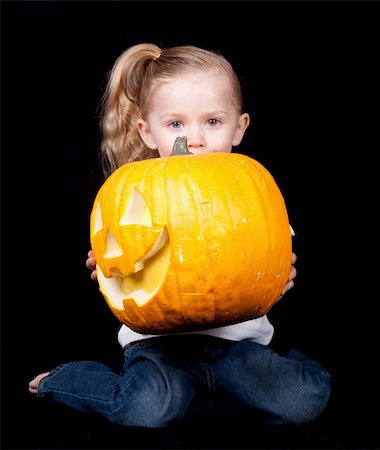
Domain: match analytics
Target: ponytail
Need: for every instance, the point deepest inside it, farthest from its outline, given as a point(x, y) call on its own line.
point(121, 141)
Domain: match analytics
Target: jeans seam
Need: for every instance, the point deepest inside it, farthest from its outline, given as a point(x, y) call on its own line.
point(210, 378)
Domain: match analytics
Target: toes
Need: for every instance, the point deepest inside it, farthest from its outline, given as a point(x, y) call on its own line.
point(33, 385)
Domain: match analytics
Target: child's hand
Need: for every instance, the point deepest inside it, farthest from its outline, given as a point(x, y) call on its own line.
point(292, 275)
point(91, 264)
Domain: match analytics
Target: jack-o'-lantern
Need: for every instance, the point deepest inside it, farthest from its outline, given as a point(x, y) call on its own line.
point(190, 242)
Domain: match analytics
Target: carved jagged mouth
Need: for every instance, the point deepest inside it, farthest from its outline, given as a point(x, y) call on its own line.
point(142, 285)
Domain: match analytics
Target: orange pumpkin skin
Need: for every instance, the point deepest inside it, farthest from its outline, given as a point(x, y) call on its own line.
point(190, 242)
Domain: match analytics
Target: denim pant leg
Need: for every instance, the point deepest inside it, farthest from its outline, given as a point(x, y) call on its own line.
point(291, 389)
point(150, 391)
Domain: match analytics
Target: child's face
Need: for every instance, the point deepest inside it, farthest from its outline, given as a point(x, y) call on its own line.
point(199, 106)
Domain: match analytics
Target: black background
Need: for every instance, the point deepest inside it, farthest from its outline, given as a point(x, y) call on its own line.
point(309, 73)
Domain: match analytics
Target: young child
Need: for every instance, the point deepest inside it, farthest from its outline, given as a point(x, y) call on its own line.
point(154, 95)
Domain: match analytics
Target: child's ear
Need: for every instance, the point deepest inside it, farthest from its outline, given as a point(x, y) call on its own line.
point(145, 134)
point(242, 125)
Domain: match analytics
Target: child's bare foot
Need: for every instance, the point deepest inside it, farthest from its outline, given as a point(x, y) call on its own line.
point(33, 385)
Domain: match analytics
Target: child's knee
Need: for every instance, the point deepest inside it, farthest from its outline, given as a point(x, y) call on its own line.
point(305, 406)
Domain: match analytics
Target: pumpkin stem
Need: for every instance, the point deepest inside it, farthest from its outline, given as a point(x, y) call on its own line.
point(180, 147)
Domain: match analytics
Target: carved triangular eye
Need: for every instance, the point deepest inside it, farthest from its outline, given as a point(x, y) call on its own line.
point(137, 212)
point(113, 249)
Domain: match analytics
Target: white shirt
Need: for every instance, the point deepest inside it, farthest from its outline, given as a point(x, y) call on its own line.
point(258, 330)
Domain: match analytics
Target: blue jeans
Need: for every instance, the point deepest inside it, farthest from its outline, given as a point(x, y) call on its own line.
point(169, 378)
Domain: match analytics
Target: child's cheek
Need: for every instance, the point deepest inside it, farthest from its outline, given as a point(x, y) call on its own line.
point(164, 152)
point(165, 145)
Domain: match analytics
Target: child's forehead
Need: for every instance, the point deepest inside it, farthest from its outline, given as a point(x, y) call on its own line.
point(204, 87)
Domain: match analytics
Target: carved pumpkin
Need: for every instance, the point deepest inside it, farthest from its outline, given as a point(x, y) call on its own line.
point(190, 241)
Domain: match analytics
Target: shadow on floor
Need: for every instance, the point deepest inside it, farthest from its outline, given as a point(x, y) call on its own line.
point(54, 427)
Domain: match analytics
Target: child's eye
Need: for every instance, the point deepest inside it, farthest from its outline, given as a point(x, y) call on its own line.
point(213, 122)
point(176, 124)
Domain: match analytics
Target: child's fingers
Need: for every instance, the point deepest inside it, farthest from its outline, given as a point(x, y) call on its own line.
point(293, 273)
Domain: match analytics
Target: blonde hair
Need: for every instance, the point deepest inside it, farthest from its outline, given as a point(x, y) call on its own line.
point(127, 92)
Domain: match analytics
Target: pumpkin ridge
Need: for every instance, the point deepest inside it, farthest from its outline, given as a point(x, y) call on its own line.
point(201, 206)
point(281, 212)
point(168, 181)
point(266, 208)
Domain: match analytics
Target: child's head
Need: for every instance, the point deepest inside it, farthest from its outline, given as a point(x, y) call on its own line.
point(154, 95)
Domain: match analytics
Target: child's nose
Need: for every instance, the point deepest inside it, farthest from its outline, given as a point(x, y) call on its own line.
point(195, 139)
